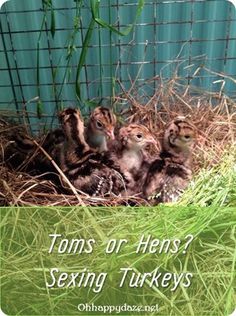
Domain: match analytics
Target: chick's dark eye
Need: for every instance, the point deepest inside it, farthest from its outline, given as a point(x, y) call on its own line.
point(187, 136)
point(139, 136)
point(99, 125)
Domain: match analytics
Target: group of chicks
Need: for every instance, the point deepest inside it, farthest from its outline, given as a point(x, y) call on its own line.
point(101, 164)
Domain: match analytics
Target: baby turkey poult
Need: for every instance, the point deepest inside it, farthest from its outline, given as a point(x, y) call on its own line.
point(87, 169)
point(131, 156)
point(100, 128)
point(169, 175)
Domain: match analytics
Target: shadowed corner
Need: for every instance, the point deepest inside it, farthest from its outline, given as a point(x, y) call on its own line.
point(2, 312)
point(1, 4)
point(234, 4)
point(233, 313)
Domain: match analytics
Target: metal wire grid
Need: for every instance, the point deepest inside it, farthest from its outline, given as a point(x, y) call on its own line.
point(166, 34)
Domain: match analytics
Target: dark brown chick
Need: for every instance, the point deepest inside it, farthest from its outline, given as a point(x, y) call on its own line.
point(100, 128)
point(23, 154)
point(169, 175)
point(18, 152)
point(88, 170)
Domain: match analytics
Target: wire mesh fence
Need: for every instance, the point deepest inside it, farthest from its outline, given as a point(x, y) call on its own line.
point(57, 53)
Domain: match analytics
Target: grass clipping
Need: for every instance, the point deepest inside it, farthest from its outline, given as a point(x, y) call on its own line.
point(210, 258)
point(214, 162)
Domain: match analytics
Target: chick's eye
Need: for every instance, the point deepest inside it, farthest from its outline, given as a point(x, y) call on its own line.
point(187, 136)
point(99, 125)
point(139, 136)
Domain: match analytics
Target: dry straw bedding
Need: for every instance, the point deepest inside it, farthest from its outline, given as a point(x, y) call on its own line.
point(213, 114)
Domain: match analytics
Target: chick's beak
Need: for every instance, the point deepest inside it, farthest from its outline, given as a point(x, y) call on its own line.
point(152, 141)
point(110, 134)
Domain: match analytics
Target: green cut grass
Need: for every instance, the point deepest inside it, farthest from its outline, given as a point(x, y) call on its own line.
point(211, 256)
point(215, 185)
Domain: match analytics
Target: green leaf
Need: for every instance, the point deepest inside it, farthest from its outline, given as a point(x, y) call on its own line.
point(47, 3)
point(83, 56)
point(54, 73)
point(76, 23)
point(39, 109)
point(127, 30)
point(96, 19)
point(108, 26)
point(90, 104)
point(38, 69)
point(53, 23)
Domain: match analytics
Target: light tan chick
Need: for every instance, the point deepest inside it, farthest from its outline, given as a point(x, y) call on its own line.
point(169, 175)
point(100, 128)
point(131, 156)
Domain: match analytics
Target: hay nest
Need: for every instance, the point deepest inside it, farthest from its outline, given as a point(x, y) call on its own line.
point(213, 114)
